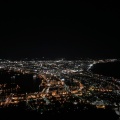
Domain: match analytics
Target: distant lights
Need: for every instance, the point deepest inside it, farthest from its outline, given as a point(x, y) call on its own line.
point(62, 79)
point(75, 103)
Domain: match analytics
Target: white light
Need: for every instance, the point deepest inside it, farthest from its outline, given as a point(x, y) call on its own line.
point(62, 79)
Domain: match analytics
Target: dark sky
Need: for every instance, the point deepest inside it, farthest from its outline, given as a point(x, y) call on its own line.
point(59, 30)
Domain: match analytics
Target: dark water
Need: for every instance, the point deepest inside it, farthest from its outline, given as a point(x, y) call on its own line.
point(25, 81)
point(111, 69)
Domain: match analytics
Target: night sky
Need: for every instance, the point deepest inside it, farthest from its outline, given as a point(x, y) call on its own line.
point(38, 30)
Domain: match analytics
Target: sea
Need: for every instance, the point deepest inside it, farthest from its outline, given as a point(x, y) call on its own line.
point(110, 69)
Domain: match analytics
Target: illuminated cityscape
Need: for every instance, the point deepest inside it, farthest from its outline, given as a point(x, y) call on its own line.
point(51, 85)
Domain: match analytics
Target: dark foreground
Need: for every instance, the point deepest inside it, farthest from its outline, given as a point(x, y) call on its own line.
point(95, 114)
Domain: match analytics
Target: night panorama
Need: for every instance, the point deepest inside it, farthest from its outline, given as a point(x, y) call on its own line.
point(60, 60)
